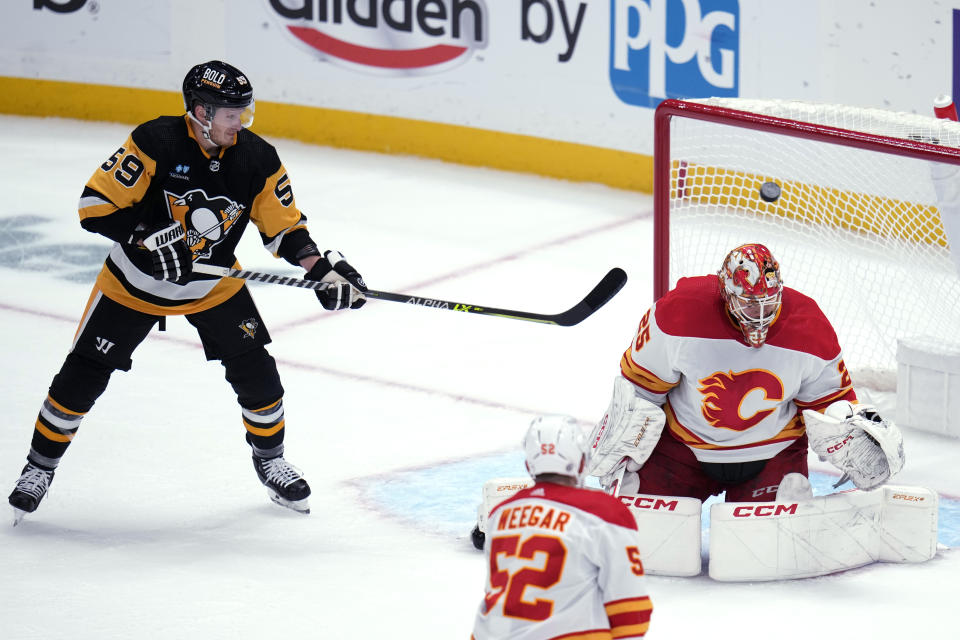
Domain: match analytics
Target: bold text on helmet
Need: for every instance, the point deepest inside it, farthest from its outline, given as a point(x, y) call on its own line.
point(214, 77)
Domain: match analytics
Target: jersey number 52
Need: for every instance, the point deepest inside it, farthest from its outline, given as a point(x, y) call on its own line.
point(511, 585)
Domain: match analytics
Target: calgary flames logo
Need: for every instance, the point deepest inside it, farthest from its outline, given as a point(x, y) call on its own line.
point(729, 401)
point(206, 220)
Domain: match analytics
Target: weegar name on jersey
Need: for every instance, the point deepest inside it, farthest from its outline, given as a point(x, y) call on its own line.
point(533, 516)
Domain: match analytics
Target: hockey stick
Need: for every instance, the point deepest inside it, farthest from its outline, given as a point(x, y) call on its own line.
point(618, 473)
point(599, 296)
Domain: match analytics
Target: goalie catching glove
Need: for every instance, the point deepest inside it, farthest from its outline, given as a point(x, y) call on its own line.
point(346, 285)
point(625, 437)
point(856, 440)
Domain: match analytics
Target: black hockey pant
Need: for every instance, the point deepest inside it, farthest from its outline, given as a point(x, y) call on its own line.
point(232, 332)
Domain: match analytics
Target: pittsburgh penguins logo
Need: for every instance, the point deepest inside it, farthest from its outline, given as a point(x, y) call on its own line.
point(249, 328)
point(207, 220)
point(739, 400)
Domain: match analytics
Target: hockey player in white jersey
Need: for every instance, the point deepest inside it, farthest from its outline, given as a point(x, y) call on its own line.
point(723, 382)
point(562, 561)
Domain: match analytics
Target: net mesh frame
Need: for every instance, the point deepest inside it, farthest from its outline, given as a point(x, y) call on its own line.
point(856, 225)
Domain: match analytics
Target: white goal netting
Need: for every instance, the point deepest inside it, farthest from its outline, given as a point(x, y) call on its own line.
point(857, 229)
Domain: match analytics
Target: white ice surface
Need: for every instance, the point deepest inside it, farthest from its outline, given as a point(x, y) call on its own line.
point(156, 526)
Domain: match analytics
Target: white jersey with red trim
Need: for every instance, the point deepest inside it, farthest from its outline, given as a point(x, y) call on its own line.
point(726, 400)
point(562, 563)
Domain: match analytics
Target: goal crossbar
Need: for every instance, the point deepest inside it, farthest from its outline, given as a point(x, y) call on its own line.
point(671, 108)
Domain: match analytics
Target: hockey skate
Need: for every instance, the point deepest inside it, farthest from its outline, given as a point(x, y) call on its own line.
point(284, 482)
point(31, 487)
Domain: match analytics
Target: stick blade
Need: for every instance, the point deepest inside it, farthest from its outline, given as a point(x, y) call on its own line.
point(609, 286)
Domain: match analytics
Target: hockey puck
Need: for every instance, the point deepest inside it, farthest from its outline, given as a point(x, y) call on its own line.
point(769, 191)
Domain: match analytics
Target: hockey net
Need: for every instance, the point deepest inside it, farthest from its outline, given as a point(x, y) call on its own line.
point(856, 225)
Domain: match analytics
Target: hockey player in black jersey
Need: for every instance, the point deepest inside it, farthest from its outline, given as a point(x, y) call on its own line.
point(182, 189)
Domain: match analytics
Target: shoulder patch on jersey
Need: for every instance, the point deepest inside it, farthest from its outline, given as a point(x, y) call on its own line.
point(694, 309)
point(802, 326)
point(591, 501)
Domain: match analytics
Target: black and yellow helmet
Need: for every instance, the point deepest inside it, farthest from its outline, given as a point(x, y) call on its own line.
point(216, 84)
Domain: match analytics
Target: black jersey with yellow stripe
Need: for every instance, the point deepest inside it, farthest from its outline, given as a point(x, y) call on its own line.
point(160, 174)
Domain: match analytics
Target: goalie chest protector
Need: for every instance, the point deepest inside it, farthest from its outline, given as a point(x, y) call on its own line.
point(726, 400)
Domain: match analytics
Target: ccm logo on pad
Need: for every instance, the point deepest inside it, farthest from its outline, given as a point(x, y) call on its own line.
point(763, 510)
point(645, 502)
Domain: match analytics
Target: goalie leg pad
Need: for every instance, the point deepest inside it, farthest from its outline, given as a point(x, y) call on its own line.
point(495, 491)
point(908, 524)
point(779, 541)
point(669, 533)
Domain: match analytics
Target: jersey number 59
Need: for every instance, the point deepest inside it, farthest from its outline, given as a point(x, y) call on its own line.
point(129, 170)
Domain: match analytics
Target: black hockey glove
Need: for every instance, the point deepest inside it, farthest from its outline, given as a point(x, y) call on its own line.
point(172, 260)
point(346, 285)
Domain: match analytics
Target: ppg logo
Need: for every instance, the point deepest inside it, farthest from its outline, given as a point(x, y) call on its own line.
point(674, 49)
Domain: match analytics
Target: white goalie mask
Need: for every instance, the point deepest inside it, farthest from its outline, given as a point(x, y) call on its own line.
point(752, 289)
point(555, 444)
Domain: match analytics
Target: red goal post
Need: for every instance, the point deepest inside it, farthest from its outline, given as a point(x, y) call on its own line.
point(856, 226)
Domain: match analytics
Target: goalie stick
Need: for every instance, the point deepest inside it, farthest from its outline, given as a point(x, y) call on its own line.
point(599, 296)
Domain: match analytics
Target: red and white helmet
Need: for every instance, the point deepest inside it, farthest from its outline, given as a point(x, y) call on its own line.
point(751, 286)
point(555, 444)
